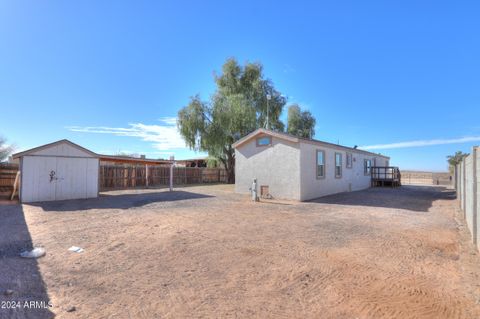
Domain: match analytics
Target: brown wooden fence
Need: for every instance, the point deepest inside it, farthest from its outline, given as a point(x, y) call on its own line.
point(131, 176)
point(8, 172)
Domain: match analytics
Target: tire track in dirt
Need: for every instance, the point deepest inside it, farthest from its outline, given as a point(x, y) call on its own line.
point(370, 254)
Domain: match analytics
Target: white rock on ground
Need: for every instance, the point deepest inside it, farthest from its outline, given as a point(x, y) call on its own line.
point(36, 252)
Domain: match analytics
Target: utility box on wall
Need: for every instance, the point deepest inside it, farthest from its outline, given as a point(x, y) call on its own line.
point(264, 191)
point(58, 171)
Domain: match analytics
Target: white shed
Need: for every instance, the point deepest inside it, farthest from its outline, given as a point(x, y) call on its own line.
point(58, 171)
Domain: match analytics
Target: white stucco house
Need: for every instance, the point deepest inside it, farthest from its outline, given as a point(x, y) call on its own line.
point(288, 167)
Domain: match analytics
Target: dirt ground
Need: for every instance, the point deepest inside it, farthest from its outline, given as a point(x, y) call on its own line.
point(203, 252)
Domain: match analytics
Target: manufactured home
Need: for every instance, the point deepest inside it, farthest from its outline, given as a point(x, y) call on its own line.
point(289, 167)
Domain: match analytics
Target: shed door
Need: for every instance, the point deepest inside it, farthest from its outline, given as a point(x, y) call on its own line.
point(48, 178)
point(71, 178)
point(36, 182)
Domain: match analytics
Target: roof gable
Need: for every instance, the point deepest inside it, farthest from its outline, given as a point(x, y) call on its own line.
point(262, 131)
point(58, 148)
point(294, 139)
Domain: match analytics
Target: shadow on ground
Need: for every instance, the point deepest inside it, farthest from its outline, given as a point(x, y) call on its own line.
point(20, 275)
point(118, 201)
point(414, 198)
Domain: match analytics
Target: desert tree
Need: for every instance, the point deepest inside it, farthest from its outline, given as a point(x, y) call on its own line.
point(5, 149)
point(455, 159)
point(300, 123)
point(238, 107)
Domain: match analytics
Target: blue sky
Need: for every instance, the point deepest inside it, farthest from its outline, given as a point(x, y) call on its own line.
point(111, 75)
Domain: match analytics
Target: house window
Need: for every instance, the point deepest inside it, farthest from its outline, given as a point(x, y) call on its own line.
point(320, 164)
point(374, 161)
point(338, 165)
point(349, 160)
point(387, 163)
point(367, 166)
point(264, 141)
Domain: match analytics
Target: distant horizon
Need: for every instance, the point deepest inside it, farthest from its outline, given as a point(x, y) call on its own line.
point(138, 155)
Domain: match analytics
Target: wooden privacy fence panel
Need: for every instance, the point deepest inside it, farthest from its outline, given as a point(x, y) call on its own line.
point(131, 176)
point(214, 175)
point(8, 172)
point(158, 175)
point(120, 176)
point(198, 175)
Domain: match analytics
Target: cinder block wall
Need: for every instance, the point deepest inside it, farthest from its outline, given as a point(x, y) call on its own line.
point(469, 196)
point(468, 192)
point(477, 195)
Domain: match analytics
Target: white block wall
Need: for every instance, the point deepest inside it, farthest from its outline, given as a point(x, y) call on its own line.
point(468, 192)
point(477, 204)
point(469, 196)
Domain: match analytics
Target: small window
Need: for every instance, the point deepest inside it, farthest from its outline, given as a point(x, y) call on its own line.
point(338, 165)
point(367, 166)
point(320, 164)
point(349, 160)
point(264, 141)
point(374, 161)
point(387, 163)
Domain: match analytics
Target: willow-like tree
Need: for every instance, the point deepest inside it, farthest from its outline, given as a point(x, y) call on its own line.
point(301, 124)
point(238, 107)
point(5, 150)
point(455, 159)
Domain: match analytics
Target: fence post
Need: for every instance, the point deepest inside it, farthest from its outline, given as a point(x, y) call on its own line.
point(455, 175)
point(114, 177)
point(474, 197)
point(171, 177)
point(146, 175)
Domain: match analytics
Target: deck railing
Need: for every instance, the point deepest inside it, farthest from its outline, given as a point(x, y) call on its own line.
point(386, 176)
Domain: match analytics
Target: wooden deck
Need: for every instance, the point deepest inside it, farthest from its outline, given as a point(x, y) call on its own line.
point(386, 176)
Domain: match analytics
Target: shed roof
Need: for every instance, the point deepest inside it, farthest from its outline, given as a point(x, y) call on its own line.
point(102, 157)
point(42, 147)
point(295, 139)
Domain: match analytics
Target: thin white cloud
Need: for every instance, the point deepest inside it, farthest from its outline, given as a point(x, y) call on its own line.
point(421, 143)
point(168, 120)
point(163, 137)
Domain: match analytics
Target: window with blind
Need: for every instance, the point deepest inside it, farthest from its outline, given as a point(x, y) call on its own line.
point(338, 165)
point(320, 164)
